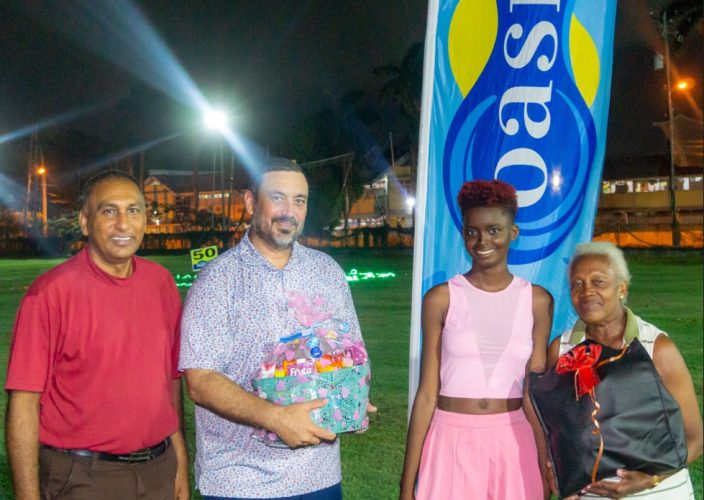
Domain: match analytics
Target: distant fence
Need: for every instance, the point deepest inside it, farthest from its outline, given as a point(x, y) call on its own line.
point(636, 236)
point(373, 238)
point(168, 243)
point(35, 247)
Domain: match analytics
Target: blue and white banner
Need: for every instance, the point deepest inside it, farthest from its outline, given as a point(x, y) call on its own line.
point(516, 90)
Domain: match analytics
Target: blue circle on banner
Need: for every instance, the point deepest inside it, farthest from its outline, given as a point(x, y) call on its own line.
point(529, 127)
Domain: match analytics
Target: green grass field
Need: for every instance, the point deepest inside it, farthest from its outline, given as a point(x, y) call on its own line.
point(666, 290)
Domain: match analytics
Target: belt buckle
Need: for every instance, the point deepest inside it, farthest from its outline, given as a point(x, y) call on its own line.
point(139, 456)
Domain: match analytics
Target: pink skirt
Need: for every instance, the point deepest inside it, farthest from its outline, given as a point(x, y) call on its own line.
point(491, 457)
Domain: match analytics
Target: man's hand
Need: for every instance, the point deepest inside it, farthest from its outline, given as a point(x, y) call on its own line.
point(22, 441)
point(294, 427)
point(182, 490)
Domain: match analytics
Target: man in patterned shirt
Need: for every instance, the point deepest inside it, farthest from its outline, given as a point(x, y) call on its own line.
point(237, 309)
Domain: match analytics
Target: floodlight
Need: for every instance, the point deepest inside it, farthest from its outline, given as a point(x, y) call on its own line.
point(216, 120)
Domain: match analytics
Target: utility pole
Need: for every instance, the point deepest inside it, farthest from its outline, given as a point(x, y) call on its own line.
point(196, 192)
point(141, 171)
point(674, 220)
point(231, 190)
point(392, 172)
point(223, 215)
point(30, 173)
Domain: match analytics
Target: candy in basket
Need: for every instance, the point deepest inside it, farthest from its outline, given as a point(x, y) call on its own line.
point(321, 360)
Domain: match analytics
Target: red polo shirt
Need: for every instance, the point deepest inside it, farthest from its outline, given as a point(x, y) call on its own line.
point(103, 352)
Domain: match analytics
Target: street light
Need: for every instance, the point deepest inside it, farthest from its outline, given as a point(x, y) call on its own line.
point(685, 84)
point(41, 172)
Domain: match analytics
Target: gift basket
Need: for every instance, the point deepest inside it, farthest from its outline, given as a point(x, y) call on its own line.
point(604, 409)
point(320, 360)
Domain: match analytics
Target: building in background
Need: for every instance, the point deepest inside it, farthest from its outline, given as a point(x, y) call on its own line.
point(387, 200)
point(179, 202)
point(636, 212)
point(382, 216)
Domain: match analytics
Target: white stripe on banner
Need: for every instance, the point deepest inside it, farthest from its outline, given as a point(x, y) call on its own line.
point(516, 90)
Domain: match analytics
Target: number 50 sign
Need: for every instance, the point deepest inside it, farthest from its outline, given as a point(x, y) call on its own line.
point(201, 256)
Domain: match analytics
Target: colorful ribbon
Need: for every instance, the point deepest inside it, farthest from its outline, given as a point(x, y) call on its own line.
point(582, 360)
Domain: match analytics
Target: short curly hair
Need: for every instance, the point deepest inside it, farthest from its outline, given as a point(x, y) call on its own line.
point(482, 193)
point(607, 250)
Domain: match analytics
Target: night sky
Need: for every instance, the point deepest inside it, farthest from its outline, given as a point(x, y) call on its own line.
point(269, 62)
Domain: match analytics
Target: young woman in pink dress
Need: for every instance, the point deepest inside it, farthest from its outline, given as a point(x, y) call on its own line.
point(471, 432)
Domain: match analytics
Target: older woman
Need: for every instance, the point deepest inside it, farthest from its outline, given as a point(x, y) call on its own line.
point(599, 277)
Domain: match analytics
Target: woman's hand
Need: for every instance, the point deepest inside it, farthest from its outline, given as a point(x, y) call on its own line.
point(631, 482)
point(550, 478)
point(406, 495)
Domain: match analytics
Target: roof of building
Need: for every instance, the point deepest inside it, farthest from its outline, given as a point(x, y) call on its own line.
point(185, 182)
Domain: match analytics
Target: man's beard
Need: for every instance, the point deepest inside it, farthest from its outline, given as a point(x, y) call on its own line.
point(282, 242)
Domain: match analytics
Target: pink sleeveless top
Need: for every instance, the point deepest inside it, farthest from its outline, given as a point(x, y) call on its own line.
point(487, 340)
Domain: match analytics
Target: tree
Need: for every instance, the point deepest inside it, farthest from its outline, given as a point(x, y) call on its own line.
point(686, 16)
point(403, 89)
point(317, 137)
point(67, 153)
point(10, 227)
point(339, 153)
point(66, 226)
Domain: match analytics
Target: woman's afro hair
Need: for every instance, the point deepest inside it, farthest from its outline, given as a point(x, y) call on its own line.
point(477, 194)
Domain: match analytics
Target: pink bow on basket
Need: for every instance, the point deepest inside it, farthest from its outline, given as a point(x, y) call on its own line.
point(308, 311)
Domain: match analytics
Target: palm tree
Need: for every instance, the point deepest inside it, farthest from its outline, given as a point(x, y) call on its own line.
point(403, 89)
point(342, 155)
point(686, 16)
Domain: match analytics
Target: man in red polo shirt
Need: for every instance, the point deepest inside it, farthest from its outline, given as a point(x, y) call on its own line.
point(94, 393)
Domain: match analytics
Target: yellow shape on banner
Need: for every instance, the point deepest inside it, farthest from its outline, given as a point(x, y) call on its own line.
point(471, 39)
point(585, 61)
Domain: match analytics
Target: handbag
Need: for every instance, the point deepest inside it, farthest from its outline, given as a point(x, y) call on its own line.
point(626, 420)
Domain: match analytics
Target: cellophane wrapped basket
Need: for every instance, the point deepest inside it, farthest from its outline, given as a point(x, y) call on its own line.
point(320, 360)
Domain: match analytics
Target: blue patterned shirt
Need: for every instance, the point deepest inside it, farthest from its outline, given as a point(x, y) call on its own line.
point(234, 314)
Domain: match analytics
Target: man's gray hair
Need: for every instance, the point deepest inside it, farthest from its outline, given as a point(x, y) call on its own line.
point(608, 251)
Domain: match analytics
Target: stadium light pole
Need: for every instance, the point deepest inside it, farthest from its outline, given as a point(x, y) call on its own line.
point(217, 120)
point(42, 172)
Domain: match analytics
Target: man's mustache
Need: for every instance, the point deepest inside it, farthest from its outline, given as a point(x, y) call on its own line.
point(284, 218)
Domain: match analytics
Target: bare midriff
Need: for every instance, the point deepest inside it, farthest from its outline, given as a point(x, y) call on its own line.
point(478, 406)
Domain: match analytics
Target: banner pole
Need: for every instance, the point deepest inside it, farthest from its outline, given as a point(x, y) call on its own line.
point(414, 350)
